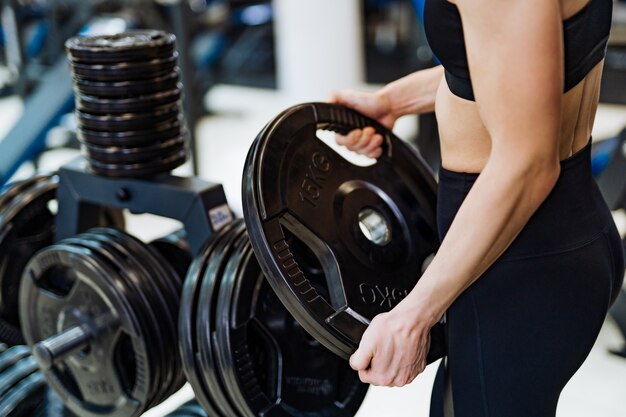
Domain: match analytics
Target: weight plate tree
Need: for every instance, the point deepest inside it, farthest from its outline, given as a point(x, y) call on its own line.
point(100, 309)
point(27, 224)
point(244, 353)
point(372, 229)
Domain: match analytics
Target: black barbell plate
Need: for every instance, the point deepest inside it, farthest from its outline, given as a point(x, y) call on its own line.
point(25, 398)
point(187, 318)
point(168, 288)
point(92, 287)
point(296, 185)
point(128, 89)
point(205, 320)
point(270, 364)
point(166, 164)
point(137, 45)
point(125, 71)
point(125, 155)
point(15, 374)
point(134, 277)
point(27, 224)
point(12, 356)
point(176, 251)
point(99, 105)
point(130, 121)
point(14, 189)
point(133, 138)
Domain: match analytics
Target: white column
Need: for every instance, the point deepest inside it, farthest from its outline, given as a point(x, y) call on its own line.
point(318, 46)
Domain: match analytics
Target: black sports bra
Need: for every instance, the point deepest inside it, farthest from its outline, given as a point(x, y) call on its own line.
point(585, 38)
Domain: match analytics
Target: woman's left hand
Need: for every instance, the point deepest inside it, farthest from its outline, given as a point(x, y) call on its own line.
point(393, 349)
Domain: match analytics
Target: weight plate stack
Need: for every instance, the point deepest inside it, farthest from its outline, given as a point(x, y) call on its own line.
point(369, 231)
point(100, 309)
point(128, 103)
point(244, 354)
point(22, 385)
point(27, 224)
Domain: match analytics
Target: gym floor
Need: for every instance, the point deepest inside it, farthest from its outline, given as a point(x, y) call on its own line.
point(238, 114)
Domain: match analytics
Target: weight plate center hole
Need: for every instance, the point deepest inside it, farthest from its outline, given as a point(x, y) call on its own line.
point(374, 226)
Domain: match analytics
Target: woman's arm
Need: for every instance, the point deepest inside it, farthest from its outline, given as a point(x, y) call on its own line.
point(413, 94)
point(515, 56)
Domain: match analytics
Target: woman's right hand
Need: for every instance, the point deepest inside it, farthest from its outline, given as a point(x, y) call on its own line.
point(365, 141)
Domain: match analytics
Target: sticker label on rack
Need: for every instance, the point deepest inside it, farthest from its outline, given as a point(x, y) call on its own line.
point(220, 216)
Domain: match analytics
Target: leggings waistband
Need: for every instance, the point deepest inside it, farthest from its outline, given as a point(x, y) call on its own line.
point(572, 215)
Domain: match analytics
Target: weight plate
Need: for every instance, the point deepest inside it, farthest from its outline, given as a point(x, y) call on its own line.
point(133, 138)
point(205, 319)
point(98, 105)
point(133, 277)
point(15, 374)
point(167, 288)
point(22, 388)
point(129, 121)
point(163, 165)
point(25, 398)
point(27, 216)
point(125, 71)
point(175, 249)
point(187, 316)
point(125, 155)
point(128, 46)
point(67, 285)
point(12, 356)
point(122, 89)
point(14, 189)
point(371, 228)
point(269, 362)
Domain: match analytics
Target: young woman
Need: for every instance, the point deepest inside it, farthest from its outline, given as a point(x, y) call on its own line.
point(530, 259)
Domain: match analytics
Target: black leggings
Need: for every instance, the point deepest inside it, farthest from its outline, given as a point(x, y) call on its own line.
point(519, 333)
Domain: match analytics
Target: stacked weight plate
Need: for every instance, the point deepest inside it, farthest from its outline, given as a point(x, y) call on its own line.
point(128, 103)
point(27, 215)
point(243, 353)
point(22, 385)
point(370, 231)
point(104, 326)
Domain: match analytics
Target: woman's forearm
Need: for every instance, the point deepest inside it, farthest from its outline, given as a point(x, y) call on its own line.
point(494, 212)
point(414, 93)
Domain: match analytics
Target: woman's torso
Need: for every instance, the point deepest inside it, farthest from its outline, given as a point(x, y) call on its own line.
point(465, 143)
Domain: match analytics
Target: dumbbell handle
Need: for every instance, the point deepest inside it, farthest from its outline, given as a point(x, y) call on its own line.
point(71, 340)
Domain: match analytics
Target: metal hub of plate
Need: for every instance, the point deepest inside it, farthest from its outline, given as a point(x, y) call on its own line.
point(369, 229)
point(99, 309)
point(27, 216)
